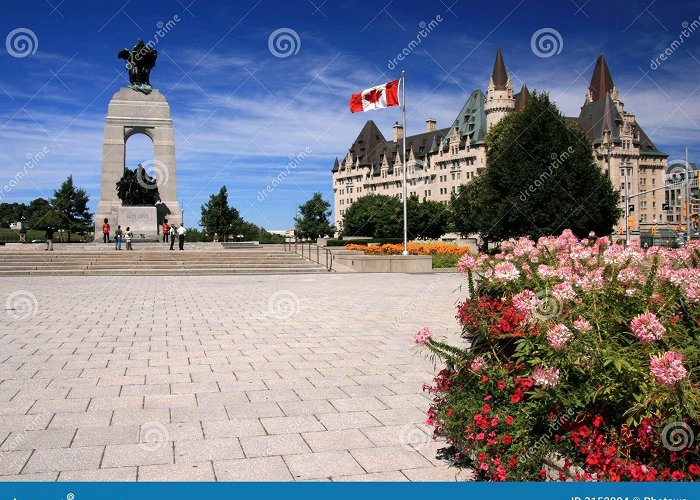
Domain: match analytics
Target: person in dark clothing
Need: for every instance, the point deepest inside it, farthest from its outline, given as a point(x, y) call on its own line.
point(49, 238)
point(173, 233)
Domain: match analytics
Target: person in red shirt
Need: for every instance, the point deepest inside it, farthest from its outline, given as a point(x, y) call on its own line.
point(166, 231)
point(105, 231)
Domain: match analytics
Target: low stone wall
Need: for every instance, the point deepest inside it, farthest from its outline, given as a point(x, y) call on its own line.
point(383, 263)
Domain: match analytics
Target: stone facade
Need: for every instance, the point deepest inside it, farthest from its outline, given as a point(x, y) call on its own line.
point(131, 112)
point(439, 161)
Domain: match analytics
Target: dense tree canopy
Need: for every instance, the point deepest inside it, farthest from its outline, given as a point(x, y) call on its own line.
point(381, 216)
point(313, 220)
point(70, 204)
point(217, 216)
point(541, 179)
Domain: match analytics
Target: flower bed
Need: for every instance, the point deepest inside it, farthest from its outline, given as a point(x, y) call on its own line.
point(444, 254)
point(580, 350)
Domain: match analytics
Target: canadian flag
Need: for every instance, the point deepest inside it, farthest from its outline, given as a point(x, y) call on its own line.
point(377, 97)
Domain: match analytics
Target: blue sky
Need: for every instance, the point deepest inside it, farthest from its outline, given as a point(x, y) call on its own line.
point(240, 112)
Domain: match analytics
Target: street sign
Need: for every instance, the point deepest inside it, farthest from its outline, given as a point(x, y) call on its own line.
point(631, 208)
point(666, 206)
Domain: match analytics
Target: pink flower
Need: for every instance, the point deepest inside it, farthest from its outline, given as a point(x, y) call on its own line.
point(478, 364)
point(563, 291)
point(546, 272)
point(545, 377)
point(582, 325)
point(558, 336)
point(692, 293)
point(629, 276)
point(467, 263)
point(422, 336)
point(647, 328)
point(506, 271)
point(667, 368)
point(526, 301)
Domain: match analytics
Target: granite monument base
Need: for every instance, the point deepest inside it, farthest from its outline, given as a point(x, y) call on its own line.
point(143, 222)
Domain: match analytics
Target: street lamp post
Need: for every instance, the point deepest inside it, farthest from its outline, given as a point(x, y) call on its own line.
point(626, 167)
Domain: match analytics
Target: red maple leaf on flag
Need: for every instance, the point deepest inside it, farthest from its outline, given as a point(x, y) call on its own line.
point(373, 95)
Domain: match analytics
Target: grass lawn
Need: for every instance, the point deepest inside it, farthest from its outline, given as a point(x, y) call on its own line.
point(441, 260)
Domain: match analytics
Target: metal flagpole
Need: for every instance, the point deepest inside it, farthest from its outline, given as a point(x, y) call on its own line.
point(405, 193)
point(688, 197)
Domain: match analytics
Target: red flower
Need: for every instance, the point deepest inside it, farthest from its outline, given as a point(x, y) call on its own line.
point(515, 398)
point(430, 421)
point(597, 421)
point(694, 469)
point(507, 439)
point(481, 436)
point(543, 473)
point(488, 397)
point(509, 420)
point(677, 475)
point(513, 462)
point(486, 408)
point(584, 431)
point(449, 411)
point(484, 379)
point(501, 385)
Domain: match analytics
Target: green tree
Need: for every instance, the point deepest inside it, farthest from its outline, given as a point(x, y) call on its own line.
point(313, 220)
point(11, 213)
point(376, 216)
point(427, 219)
point(468, 212)
point(541, 178)
point(70, 204)
point(218, 216)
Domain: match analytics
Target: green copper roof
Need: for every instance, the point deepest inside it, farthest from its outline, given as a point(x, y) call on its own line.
point(471, 120)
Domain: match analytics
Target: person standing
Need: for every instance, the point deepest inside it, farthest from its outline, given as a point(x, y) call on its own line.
point(105, 231)
point(166, 230)
point(118, 238)
point(49, 238)
point(129, 236)
point(173, 234)
point(181, 236)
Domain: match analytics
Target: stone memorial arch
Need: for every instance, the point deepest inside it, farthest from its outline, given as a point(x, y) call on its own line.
point(137, 109)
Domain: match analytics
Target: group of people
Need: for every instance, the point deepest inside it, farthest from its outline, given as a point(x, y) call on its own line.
point(170, 233)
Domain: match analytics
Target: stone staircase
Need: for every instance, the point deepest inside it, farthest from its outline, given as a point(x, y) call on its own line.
point(67, 262)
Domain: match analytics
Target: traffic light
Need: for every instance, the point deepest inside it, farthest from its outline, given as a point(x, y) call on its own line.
point(685, 210)
point(621, 230)
point(653, 231)
point(632, 221)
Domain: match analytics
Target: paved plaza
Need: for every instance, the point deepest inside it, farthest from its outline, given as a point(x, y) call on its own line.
point(226, 378)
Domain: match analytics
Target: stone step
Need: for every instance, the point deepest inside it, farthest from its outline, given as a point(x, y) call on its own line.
point(154, 263)
point(183, 272)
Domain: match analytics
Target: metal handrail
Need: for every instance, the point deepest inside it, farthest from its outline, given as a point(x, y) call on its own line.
point(305, 252)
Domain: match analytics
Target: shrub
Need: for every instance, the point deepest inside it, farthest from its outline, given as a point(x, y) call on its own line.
point(582, 352)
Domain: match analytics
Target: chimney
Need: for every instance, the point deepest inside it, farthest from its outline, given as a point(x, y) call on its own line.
point(430, 125)
point(398, 132)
